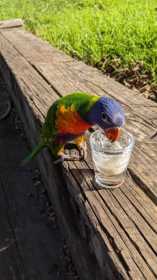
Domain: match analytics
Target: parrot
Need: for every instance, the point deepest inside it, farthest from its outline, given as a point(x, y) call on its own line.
point(71, 116)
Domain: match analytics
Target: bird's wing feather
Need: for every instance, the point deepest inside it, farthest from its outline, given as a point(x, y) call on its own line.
point(66, 115)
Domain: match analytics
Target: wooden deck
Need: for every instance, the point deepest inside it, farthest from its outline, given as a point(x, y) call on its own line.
point(112, 233)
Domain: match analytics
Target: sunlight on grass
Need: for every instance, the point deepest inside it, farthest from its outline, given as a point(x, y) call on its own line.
point(93, 29)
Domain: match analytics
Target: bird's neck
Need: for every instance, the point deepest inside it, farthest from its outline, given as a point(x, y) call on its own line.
point(92, 112)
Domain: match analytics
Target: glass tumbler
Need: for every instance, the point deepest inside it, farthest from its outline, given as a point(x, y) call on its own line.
point(110, 159)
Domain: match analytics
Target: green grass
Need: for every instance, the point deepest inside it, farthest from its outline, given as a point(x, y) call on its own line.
point(93, 30)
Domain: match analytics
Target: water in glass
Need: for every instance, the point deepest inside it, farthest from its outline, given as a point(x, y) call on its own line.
point(110, 158)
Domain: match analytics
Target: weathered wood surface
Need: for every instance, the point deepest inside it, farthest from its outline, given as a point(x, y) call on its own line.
point(119, 226)
point(11, 23)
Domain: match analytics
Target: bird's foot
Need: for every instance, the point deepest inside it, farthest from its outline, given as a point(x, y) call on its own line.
point(70, 154)
point(82, 149)
point(81, 146)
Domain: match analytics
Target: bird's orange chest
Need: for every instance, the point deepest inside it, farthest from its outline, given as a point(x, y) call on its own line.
point(68, 121)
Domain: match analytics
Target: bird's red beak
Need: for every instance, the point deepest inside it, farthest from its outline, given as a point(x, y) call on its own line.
point(113, 134)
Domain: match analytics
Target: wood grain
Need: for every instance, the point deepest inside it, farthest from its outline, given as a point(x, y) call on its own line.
point(117, 228)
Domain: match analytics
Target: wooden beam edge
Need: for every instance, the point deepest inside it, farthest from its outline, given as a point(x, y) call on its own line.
point(11, 23)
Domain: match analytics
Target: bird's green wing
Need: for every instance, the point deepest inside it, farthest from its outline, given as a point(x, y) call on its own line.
point(49, 130)
point(81, 101)
point(48, 133)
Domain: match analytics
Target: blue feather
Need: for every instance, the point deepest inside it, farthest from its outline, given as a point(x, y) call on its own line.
point(107, 113)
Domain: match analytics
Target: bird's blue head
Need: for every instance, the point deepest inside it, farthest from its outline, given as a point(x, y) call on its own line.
point(106, 113)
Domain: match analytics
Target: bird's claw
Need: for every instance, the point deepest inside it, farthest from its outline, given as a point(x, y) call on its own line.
point(64, 157)
point(82, 149)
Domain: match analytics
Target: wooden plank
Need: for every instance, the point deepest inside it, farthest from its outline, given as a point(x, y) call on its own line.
point(61, 81)
point(139, 199)
point(86, 219)
point(139, 123)
point(28, 79)
point(129, 237)
point(54, 64)
point(142, 234)
point(64, 80)
point(56, 71)
point(113, 242)
point(11, 23)
point(27, 87)
point(143, 200)
point(52, 55)
point(140, 196)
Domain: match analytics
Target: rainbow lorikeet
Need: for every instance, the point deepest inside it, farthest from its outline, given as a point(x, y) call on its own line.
point(70, 116)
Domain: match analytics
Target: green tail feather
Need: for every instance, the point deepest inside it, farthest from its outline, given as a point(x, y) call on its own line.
point(36, 150)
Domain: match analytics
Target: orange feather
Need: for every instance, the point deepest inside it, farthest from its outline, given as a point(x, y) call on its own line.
point(68, 121)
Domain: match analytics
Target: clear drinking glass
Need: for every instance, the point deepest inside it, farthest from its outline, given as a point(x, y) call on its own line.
point(110, 159)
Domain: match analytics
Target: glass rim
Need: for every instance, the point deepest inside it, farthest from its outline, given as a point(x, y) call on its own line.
point(119, 150)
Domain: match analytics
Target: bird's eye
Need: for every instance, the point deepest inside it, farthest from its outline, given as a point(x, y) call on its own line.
point(105, 118)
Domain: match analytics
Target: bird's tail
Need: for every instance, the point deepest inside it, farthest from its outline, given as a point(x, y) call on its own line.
point(35, 151)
